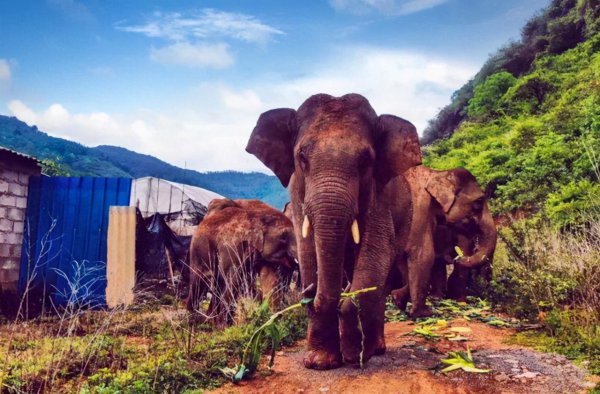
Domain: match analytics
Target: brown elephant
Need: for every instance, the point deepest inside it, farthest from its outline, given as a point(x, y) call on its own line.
point(337, 156)
point(454, 206)
point(465, 221)
point(237, 241)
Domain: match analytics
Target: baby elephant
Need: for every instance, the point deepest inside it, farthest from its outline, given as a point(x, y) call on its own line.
point(238, 243)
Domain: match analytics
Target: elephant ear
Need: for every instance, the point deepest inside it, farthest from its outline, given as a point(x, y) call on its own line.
point(397, 148)
point(218, 204)
point(442, 187)
point(272, 142)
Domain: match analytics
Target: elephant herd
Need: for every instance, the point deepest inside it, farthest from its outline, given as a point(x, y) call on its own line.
point(363, 212)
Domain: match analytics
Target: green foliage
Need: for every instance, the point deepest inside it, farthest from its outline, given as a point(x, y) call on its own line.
point(52, 168)
point(535, 149)
point(136, 353)
point(462, 360)
point(574, 333)
point(544, 275)
point(488, 94)
point(561, 26)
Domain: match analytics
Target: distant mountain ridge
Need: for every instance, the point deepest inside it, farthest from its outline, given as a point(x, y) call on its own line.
point(112, 161)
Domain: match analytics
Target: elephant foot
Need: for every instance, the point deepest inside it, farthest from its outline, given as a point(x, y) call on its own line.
point(322, 360)
point(352, 354)
point(380, 347)
point(423, 311)
point(400, 298)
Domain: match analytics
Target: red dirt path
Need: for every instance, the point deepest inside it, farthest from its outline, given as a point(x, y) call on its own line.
point(409, 367)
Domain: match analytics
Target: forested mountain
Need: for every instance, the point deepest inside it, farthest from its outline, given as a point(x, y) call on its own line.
point(528, 125)
point(61, 156)
point(561, 26)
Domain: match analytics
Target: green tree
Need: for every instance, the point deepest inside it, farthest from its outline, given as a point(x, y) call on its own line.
point(484, 104)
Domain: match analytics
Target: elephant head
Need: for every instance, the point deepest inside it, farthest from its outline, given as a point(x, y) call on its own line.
point(336, 154)
point(465, 209)
point(245, 234)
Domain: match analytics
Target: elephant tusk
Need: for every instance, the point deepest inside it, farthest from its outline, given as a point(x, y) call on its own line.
point(355, 232)
point(305, 227)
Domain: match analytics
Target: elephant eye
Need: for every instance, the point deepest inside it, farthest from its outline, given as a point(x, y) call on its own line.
point(303, 161)
point(284, 237)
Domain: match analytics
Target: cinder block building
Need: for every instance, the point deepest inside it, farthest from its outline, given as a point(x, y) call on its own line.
point(15, 170)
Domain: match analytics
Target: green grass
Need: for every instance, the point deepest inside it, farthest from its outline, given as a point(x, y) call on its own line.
point(140, 351)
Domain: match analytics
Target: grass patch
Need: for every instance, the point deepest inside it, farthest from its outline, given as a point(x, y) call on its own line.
point(149, 350)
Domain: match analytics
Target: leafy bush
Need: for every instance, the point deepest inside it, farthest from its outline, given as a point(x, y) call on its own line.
point(543, 274)
point(563, 25)
point(535, 147)
point(487, 95)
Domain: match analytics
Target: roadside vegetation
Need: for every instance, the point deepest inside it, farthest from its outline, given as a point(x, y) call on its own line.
point(153, 347)
point(529, 129)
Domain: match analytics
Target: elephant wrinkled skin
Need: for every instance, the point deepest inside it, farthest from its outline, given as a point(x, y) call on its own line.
point(337, 156)
point(237, 241)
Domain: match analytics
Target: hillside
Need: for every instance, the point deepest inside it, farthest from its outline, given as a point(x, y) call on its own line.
point(559, 27)
point(67, 157)
point(532, 138)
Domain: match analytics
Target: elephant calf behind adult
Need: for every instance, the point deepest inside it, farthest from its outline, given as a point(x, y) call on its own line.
point(238, 241)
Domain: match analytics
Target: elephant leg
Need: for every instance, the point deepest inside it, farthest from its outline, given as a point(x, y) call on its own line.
point(420, 263)
point(439, 278)
point(362, 319)
point(401, 296)
point(270, 286)
point(322, 333)
point(457, 283)
point(195, 293)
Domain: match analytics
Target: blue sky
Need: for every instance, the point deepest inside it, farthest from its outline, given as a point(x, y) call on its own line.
point(185, 80)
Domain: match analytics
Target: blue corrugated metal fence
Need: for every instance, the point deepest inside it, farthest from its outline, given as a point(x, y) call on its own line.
point(64, 246)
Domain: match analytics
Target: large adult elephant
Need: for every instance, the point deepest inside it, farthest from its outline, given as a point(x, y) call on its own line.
point(455, 208)
point(238, 241)
point(337, 157)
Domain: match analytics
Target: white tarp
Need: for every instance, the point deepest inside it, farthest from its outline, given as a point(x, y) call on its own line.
point(181, 203)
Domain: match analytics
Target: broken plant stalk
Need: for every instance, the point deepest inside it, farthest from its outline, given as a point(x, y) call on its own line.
point(250, 357)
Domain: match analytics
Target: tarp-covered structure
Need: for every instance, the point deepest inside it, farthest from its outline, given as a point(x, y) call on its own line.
point(182, 206)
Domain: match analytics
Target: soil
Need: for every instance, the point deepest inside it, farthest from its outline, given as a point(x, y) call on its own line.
point(411, 365)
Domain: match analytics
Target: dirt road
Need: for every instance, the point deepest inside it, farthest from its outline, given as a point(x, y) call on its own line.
point(409, 366)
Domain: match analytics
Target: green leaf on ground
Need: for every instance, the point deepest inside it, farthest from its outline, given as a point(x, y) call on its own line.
point(462, 360)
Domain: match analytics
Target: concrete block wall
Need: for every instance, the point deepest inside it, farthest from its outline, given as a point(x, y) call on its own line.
point(13, 201)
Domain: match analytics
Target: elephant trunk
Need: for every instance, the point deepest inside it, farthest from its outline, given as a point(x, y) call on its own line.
point(331, 213)
point(486, 245)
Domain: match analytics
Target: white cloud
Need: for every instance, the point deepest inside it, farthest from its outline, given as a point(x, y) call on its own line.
point(199, 38)
point(203, 24)
point(208, 126)
point(5, 72)
point(397, 82)
point(193, 55)
point(388, 7)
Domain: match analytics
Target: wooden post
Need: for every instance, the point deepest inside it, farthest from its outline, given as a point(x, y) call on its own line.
point(120, 261)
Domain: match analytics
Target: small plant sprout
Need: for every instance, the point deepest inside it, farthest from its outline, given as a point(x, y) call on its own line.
point(462, 360)
point(250, 356)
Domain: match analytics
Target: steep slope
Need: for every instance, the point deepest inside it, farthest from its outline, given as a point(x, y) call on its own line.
point(534, 140)
point(71, 158)
point(561, 26)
